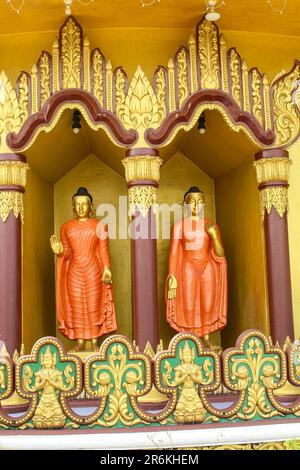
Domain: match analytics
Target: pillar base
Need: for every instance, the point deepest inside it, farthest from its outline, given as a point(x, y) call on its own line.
point(287, 390)
point(14, 400)
point(154, 396)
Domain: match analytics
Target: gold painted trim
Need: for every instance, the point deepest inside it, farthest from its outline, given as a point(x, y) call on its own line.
point(6, 362)
point(13, 173)
point(257, 105)
point(45, 90)
point(212, 107)
point(171, 76)
point(109, 91)
point(142, 168)
point(141, 108)
point(55, 65)
point(182, 76)
point(294, 369)
point(86, 65)
point(34, 90)
point(268, 170)
point(245, 74)
point(69, 105)
point(276, 197)
point(23, 97)
point(141, 198)
point(267, 108)
point(224, 67)
point(286, 112)
point(11, 201)
point(236, 88)
point(208, 55)
point(272, 169)
point(98, 76)
point(193, 63)
point(71, 50)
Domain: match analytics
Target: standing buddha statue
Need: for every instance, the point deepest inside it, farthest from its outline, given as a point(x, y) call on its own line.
point(196, 286)
point(84, 295)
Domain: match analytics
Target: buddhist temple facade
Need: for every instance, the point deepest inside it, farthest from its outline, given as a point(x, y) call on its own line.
point(129, 132)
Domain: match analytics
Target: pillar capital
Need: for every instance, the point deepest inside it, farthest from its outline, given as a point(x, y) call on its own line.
point(142, 172)
point(272, 171)
point(13, 169)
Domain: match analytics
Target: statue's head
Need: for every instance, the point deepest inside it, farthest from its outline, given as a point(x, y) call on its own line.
point(194, 200)
point(187, 355)
point(48, 360)
point(82, 203)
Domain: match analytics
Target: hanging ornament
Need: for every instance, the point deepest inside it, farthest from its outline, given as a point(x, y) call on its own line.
point(68, 9)
point(212, 5)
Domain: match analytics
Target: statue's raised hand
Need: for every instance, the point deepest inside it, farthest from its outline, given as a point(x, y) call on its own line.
point(56, 245)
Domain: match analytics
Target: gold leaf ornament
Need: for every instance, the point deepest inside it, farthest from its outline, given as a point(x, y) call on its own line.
point(183, 83)
point(44, 78)
point(98, 76)
point(10, 120)
point(286, 107)
point(71, 55)
point(209, 55)
point(120, 93)
point(141, 108)
point(23, 97)
point(161, 94)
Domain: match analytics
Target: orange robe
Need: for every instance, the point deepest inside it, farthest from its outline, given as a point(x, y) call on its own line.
point(200, 305)
point(85, 306)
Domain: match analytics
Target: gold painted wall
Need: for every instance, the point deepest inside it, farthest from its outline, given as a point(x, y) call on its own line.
point(294, 232)
point(177, 176)
point(105, 186)
point(238, 216)
point(38, 269)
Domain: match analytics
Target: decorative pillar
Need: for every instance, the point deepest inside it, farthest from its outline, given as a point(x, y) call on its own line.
point(272, 170)
point(142, 175)
point(13, 169)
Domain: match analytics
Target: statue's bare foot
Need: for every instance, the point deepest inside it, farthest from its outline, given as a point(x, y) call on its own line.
point(79, 346)
point(208, 344)
point(95, 347)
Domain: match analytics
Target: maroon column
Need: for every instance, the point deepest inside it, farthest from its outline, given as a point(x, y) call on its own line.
point(10, 254)
point(272, 171)
point(142, 174)
point(10, 283)
point(144, 279)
